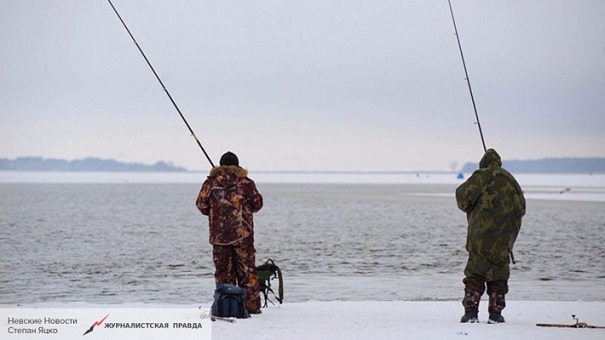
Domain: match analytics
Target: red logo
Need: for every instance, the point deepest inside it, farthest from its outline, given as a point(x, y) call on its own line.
point(97, 323)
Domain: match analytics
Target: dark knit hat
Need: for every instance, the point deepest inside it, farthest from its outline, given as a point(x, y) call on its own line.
point(229, 158)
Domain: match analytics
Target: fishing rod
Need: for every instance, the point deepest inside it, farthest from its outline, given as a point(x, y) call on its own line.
point(162, 84)
point(577, 324)
point(466, 74)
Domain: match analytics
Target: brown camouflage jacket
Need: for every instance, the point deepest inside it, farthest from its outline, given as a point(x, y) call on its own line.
point(494, 205)
point(228, 197)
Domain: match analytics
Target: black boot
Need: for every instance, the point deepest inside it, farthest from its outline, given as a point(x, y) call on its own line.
point(496, 305)
point(471, 306)
point(470, 317)
point(495, 318)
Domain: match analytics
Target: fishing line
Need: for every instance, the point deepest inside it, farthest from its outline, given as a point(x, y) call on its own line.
point(466, 74)
point(161, 83)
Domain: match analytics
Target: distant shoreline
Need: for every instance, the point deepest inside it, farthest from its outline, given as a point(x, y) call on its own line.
point(92, 164)
point(571, 165)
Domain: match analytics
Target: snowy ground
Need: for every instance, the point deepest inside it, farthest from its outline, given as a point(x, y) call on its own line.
point(413, 320)
point(382, 320)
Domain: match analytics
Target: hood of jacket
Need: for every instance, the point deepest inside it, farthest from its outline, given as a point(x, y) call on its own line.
point(225, 174)
point(490, 159)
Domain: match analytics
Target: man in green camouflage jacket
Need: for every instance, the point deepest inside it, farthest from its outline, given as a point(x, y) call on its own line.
point(229, 198)
point(494, 205)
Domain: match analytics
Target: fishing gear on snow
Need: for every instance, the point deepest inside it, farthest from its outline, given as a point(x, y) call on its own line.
point(161, 83)
point(577, 324)
point(267, 272)
point(229, 302)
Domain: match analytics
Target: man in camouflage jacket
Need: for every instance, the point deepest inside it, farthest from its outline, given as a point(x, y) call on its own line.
point(229, 198)
point(494, 205)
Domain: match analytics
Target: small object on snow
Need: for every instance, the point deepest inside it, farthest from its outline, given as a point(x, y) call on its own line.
point(578, 324)
point(214, 318)
point(462, 333)
point(206, 315)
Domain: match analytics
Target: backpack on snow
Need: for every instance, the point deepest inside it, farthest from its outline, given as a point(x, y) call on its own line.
point(267, 272)
point(229, 301)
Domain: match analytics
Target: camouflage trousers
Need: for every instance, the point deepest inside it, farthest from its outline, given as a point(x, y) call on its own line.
point(480, 273)
point(480, 268)
point(236, 265)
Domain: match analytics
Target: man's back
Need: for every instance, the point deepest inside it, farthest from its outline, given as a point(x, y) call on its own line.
point(494, 203)
point(229, 198)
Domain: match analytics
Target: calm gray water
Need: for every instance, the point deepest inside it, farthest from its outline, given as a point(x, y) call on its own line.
point(122, 243)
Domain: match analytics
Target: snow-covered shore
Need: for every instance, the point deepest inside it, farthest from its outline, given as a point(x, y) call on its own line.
point(382, 320)
point(413, 320)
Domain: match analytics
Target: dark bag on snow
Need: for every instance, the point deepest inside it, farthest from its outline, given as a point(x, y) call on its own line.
point(267, 272)
point(229, 301)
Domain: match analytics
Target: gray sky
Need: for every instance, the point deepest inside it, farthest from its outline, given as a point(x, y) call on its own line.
point(303, 85)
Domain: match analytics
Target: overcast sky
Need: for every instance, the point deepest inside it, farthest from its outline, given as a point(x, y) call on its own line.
point(303, 85)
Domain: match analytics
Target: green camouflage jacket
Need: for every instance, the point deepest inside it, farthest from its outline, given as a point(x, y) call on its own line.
point(494, 205)
point(229, 198)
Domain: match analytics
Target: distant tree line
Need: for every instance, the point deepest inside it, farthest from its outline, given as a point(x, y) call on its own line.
point(549, 165)
point(86, 164)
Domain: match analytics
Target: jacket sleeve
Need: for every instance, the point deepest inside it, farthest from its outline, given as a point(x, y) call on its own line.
point(522, 206)
point(254, 197)
point(468, 192)
point(202, 201)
